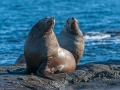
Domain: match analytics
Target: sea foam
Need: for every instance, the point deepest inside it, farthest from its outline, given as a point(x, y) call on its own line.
point(96, 36)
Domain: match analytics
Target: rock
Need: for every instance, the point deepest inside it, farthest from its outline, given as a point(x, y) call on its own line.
point(87, 76)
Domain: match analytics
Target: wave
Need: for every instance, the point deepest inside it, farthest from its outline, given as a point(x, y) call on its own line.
point(113, 33)
point(96, 36)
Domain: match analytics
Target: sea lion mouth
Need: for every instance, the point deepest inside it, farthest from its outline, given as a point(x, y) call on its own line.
point(51, 21)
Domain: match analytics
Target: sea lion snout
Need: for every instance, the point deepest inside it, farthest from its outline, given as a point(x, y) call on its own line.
point(71, 24)
point(74, 19)
point(74, 24)
point(51, 21)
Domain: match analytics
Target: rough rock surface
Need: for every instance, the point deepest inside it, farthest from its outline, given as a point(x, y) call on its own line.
point(97, 76)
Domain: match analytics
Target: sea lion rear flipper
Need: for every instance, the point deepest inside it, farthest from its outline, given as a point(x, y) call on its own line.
point(26, 71)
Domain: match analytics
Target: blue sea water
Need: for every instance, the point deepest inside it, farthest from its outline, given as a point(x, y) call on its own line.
point(99, 20)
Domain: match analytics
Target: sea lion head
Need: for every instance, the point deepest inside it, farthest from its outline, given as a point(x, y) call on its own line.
point(71, 25)
point(42, 26)
point(46, 23)
point(50, 23)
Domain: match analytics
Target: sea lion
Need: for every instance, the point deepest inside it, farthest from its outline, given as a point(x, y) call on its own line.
point(42, 52)
point(20, 59)
point(71, 38)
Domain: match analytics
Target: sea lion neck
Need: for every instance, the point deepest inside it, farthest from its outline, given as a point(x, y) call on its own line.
point(51, 42)
point(48, 31)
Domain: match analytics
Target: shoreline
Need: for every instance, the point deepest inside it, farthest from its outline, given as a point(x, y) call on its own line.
point(97, 76)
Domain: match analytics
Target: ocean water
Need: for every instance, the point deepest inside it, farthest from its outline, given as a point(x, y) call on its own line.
point(99, 20)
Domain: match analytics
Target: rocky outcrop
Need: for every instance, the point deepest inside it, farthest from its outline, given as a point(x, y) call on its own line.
point(87, 76)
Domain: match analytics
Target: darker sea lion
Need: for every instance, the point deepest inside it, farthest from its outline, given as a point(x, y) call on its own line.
point(20, 59)
point(71, 38)
point(42, 52)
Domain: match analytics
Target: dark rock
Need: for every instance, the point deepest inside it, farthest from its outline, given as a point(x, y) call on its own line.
point(84, 77)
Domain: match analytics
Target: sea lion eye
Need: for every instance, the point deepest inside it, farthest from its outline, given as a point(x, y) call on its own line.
point(47, 17)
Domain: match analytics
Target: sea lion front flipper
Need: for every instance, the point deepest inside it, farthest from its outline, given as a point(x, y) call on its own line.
point(45, 73)
point(25, 71)
point(51, 77)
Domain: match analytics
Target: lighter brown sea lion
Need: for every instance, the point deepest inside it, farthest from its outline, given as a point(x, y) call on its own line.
point(42, 52)
point(71, 38)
